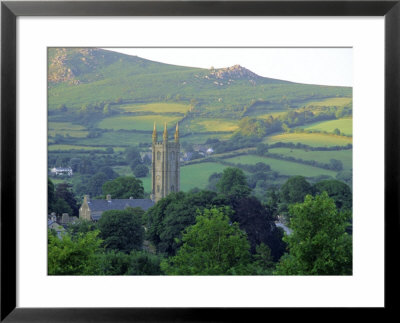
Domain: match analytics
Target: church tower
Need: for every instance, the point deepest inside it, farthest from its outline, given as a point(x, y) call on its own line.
point(165, 173)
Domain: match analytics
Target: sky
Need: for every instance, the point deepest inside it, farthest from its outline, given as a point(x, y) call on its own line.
point(324, 66)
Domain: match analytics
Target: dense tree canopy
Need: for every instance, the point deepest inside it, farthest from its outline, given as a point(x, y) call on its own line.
point(124, 188)
point(295, 189)
point(141, 170)
point(73, 256)
point(318, 244)
point(233, 182)
point(61, 199)
point(122, 229)
point(259, 225)
point(212, 246)
point(135, 263)
point(50, 195)
point(95, 183)
point(172, 214)
point(338, 191)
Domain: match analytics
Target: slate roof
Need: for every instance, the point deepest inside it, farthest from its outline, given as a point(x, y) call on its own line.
point(119, 204)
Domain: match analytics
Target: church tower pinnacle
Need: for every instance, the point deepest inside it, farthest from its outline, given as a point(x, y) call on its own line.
point(177, 133)
point(154, 133)
point(165, 134)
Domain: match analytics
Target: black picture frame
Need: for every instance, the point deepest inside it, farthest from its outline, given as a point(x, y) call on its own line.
point(10, 10)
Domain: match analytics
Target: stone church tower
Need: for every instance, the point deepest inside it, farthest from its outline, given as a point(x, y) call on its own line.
point(165, 165)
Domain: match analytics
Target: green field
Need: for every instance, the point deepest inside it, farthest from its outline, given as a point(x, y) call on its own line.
point(311, 139)
point(282, 166)
point(77, 147)
point(345, 126)
point(144, 123)
point(274, 114)
point(117, 138)
point(345, 156)
point(66, 129)
point(331, 102)
point(191, 176)
point(66, 133)
point(158, 107)
point(209, 125)
point(198, 138)
point(65, 126)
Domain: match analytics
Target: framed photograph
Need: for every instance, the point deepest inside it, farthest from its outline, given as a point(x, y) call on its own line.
point(137, 126)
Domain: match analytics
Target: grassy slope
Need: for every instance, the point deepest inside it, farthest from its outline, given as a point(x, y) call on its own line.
point(312, 139)
point(282, 166)
point(345, 126)
point(345, 156)
point(106, 76)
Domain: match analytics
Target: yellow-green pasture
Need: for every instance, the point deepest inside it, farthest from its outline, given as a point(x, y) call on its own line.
point(345, 156)
point(145, 122)
point(283, 167)
point(117, 138)
point(208, 125)
point(66, 128)
point(311, 139)
point(331, 102)
point(345, 125)
point(274, 114)
point(198, 138)
point(77, 147)
point(158, 107)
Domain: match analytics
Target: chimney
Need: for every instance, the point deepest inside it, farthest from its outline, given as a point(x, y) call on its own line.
point(108, 197)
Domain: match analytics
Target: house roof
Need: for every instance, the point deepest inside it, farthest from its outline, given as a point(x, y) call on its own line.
point(119, 204)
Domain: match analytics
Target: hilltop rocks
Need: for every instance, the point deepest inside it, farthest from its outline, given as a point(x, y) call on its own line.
point(64, 66)
point(233, 72)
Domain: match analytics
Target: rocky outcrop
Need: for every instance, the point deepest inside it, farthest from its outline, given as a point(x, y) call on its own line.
point(233, 72)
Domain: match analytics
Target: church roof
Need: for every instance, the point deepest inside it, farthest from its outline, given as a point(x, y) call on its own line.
point(119, 204)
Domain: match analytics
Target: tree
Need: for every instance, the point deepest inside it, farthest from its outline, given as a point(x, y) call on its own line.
point(261, 149)
point(259, 225)
point(110, 173)
point(122, 229)
point(336, 164)
point(95, 183)
point(295, 189)
point(144, 263)
point(64, 192)
point(338, 191)
point(75, 164)
point(233, 182)
point(172, 214)
point(263, 263)
point(81, 227)
point(124, 188)
point(60, 207)
point(73, 256)
point(50, 196)
point(132, 153)
point(134, 163)
point(141, 171)
point(212, 246)
point(318, 244)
